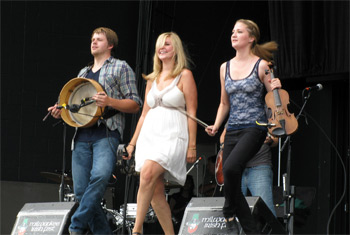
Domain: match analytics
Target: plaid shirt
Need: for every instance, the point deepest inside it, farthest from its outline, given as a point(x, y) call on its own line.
point(118, 80)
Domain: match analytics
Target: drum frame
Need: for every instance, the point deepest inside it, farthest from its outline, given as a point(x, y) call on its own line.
point(72, 88)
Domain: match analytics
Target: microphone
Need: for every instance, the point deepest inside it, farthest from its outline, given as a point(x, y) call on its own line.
point(62, 106)
point(86, 103)
point(85, 99)
point(318, 87)
point(194, 164)
point(74, 108)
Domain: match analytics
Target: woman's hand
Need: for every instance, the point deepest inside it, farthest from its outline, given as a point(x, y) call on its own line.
point(129, 149)
point(211, 130)
point(275, 83)
point(191, 155)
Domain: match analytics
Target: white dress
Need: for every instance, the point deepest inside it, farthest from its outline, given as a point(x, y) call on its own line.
point(164, 134)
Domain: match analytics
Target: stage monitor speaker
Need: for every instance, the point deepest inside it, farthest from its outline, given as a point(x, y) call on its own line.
point(204, 216)
point(44, 218)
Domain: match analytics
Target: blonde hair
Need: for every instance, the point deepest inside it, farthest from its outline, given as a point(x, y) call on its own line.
point(181, 60)
point(264, 50)
point(112, 37)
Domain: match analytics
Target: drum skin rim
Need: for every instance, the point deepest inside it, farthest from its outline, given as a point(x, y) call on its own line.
point(65, 94)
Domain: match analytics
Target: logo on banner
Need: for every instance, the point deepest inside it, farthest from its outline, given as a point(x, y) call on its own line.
point(22, 229)
point(47, 224)
point(192, 225)
point(201, 222)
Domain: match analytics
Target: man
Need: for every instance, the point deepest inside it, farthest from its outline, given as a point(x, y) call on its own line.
point(93, 157)
point(257, 176)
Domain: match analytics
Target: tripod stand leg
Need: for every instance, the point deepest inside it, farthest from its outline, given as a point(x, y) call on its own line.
point(291, 210)
point(285, 198)
point(126, 193)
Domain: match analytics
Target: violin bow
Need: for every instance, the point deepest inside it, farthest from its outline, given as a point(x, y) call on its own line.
point(203, 124)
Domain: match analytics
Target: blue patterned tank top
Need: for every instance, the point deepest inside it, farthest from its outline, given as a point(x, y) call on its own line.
point(246, 96)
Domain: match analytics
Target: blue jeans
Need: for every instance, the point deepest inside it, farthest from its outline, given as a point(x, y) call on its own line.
point(258, 180)
point(92, 167)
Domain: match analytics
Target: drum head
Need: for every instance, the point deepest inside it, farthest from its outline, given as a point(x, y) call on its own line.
point(73, 93)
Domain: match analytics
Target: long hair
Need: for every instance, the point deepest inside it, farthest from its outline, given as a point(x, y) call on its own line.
point(112, 37)
point(264, 50)
point(180, 58)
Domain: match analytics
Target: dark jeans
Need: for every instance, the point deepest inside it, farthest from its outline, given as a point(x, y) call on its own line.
point(240, 147)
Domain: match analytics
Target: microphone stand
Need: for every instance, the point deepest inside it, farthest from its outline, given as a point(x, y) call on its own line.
point(62, 188)
point(197, 180)
point(62, 185)
point(289, 190)
point(126, 193)
point(74, 109)
point(128, 176)
point(195, 164)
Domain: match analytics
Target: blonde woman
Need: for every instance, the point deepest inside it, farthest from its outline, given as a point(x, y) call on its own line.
point(164, 137)
point(243, 86)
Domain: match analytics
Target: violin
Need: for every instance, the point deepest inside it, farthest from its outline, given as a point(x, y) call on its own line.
point(219, 175)
point(281, 121)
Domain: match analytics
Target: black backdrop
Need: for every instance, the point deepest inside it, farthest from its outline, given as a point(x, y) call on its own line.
point(44, 44)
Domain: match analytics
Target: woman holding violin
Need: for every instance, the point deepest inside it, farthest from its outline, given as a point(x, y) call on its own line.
point(243, 83)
